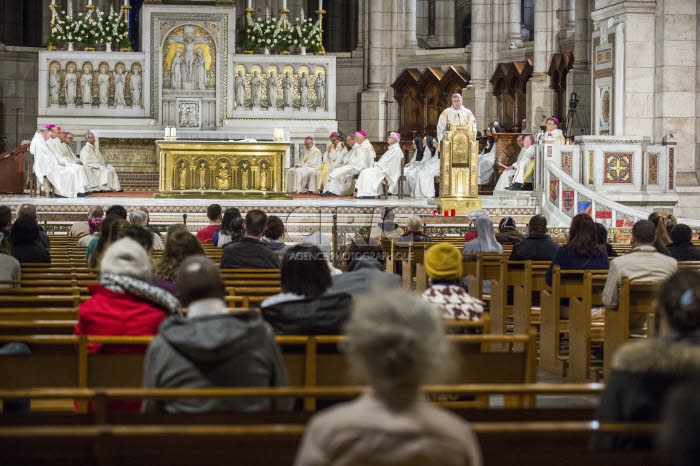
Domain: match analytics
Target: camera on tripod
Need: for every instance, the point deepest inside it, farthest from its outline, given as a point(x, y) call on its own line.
point(573, 101)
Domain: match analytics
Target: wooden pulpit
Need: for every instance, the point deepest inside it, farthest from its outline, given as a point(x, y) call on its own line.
point(12, 170)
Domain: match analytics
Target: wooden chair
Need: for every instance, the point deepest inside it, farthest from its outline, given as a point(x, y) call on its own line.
point(634, 298)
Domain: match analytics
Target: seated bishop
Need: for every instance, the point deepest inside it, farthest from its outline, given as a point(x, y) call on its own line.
point(300, 178)
point(67, 180)
point(388, 168)
point(92, 158)
point(70, 158)
point(333, 158)
point(360, 157)
point(523, 169)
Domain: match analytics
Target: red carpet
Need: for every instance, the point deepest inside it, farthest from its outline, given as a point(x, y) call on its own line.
point(148, 194)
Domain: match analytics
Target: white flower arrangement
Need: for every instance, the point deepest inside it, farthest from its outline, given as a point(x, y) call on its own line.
point(267, 32)
point(106, 28)
point(306, 33)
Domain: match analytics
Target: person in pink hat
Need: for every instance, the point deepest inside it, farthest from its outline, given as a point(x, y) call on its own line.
point(388, 168)
point(360, 158)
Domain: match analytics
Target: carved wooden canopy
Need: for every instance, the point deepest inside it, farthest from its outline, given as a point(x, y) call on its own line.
point(508, 81)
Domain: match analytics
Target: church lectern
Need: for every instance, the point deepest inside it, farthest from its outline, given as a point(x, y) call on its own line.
point(459, 167)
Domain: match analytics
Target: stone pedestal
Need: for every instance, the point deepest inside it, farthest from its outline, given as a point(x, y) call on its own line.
point(372, 114)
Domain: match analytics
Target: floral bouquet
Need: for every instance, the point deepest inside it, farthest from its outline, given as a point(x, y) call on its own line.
point(267, 33)
point(104, 26)
point(65, 30)
point(305, 33)
point(86, 31)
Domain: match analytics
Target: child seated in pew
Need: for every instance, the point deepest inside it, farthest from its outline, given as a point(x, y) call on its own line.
point(396, 341)
point(644, 371)
point(212, 348)
point(443, 265)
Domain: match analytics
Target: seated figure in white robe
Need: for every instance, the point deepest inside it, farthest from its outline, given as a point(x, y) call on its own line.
point(369, 183)
point(67, 180)
point(333, 158)
point(70, 158)
point(522, 170)
point(424, 186)
point(487, 158)
point(300, 178)
point(359, 158)
point(411, 168)
point(92, 158)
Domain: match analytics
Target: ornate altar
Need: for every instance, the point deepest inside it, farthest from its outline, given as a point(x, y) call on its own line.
point(222, 169)
point(459, 170)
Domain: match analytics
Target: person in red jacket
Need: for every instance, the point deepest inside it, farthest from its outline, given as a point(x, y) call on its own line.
point(206, 234)
point(125, 303)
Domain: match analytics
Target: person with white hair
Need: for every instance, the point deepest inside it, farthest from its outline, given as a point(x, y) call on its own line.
point(139, 218)
point(92, 159)
point(455, 115)
point(68, 180)
point(300, 178)
point(369, 183)
point(397, 342)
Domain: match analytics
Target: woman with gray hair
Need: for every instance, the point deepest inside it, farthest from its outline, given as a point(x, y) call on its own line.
point(396, 341)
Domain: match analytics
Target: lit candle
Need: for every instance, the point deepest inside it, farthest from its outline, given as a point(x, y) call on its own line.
point(284, 4)
point(89, 2)
point(126, 2)
point(320, 4)
point(167, 131)
point(250, 3)
point(173, 132)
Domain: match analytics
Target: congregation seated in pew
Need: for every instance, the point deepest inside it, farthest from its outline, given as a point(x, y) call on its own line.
point(179, 245)
point(682, 248)
point(212, 347)
point(305, 307)
point(26, 241)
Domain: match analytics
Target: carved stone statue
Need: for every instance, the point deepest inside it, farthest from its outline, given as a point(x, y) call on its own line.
point(135, 84)
point(183, 175)
point(272, 89)
point(320, 86)
point(263, 177)
point(287, 85)
point(71, 83)
point(223, 181)
point(86, 87)
point(304, 90)
point(187, 71)
point(240, 89)
point(255, 88)
point(119, 83)
point(103, 83)
point(202, 175)
point(54, 86)
point(176, 71)
point(200, 71)
point(244, 175)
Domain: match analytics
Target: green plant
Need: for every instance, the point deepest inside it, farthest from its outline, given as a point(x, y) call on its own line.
point(305, 33)
point(267, 32)
point(65, 29)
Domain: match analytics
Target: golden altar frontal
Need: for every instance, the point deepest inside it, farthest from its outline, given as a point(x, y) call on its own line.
point(459, 170)
point(221, 169)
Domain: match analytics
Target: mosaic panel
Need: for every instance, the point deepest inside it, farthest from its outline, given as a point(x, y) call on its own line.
point(603, 215)
point(566, 162)
point(568, 200)
point(553, 189)
point(584, 205)
point(653, 169)
point(618, 168)
point(624, 220)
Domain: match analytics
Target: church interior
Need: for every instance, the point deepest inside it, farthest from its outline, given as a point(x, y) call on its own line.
point(350, 121)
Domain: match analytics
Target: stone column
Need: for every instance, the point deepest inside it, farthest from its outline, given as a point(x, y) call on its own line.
point(410, 21)
point(579, 78)
point(573, 7)
point(360, 24)
point(477, 92)
point(376, 45)
point(514, 20)
point(372, 108)
point(540, 100)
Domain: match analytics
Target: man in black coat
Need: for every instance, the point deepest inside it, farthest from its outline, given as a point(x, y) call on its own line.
point(682, 248)
point(538, 246)
point(250, 252)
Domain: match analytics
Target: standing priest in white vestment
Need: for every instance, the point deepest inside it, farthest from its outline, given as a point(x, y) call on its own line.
point(91, 158)
point(301, 176)
point(455, 115)
point(359, 158)
point(388, 168)
point(67, 180)
point(334, 158)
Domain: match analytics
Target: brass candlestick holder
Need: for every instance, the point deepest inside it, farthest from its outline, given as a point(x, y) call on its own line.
point(283, 17)
point(249, 17)
point(90, 8)
point(321, 50)
point(53, 7)
point(126, 9)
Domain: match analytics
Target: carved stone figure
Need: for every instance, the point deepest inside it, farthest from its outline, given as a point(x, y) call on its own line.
point(287, 85)
point(202, 175)
point(189, 39)
point(119, 83)
point(200, 68)
point(103, 84)
point(135, 84)
point(255, 88)
point(240, 89)
point(272, 89)
point(304, 90)
point(263, 178)
point(86, 87)
point(320, 86)
point(176, 71)
point(183, 175)
point(223, 181)
point(71, 83)
point(54, 85)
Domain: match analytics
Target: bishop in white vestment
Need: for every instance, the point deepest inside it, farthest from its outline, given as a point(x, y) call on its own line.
point(67, 180)
point(71, 158)
point(359, 158)
point(334, 157)
point(369, 184)
point(91, 158)
point(519, 170)
point(455, 115)
point(301, 176)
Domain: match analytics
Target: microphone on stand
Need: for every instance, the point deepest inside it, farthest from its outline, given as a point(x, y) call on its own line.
point(184, 219)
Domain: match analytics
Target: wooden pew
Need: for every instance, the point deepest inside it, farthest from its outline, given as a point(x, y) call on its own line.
point(638, 297)
point(530, 280)
point(487, 266)
point(582, 329)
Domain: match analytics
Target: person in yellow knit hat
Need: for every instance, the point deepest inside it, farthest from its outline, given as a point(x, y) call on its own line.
point(443, 264)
